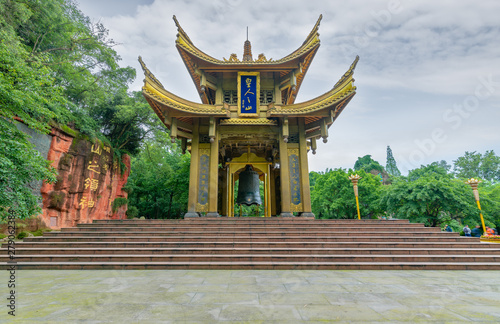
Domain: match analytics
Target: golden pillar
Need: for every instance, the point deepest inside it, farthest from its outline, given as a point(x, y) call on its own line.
point(284, 171)
point(214, 169)
point(193, 172)
point(473, 183)
point(304, 172)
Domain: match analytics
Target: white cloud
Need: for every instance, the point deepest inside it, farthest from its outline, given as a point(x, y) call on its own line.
point(416, 63)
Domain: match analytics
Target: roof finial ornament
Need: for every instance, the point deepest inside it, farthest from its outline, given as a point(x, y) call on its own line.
point(247, 50)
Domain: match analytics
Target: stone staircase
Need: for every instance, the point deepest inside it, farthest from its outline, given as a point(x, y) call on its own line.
point(253, 243)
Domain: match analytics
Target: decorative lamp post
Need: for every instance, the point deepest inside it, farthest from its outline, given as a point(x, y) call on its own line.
point(354, 179)
point(473, 183)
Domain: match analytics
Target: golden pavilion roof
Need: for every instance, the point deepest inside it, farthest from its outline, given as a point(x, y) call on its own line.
point(196, 60)
point(317, 112)
point(167, 105)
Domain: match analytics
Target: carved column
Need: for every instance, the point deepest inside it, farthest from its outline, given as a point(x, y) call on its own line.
point(214, 169)
point(193, 172)
point(304, 171)
point(284, 176)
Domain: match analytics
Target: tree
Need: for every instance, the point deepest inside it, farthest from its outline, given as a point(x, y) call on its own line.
point(159, 181)
point(489, 194)
point(368, 164)
point(476, 165)
point(27, 93)
point(78, 51)
point(390, 165)
point(431, 196)
point(333, 197)
point(56, 65)
point(126, 120)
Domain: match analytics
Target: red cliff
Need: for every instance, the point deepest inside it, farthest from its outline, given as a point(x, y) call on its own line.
point(89, 181)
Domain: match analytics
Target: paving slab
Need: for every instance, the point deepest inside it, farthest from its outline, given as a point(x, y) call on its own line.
point(250, 296)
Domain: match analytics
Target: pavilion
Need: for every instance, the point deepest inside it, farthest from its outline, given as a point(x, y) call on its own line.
point(248, 116)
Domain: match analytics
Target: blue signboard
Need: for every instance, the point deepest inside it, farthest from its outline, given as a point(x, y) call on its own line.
point(294, 167)
point(248, 94)
point(203, 179)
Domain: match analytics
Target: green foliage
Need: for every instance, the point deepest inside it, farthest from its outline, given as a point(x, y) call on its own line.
point(489, 195)
point(27, 92)
point(390, 165)
point(78, 51)
point(22, 235)
point(431, 196)
point(26, 85)
point(57, 66)
point(159, 181)
point(132, 212)
point(368, 164)
point(118, 202)
point(20, 165)
point(126, 120)
point(40, 232)
point(477, 165)
point(333, 197)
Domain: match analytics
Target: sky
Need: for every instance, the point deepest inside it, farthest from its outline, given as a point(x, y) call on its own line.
point(428, 79)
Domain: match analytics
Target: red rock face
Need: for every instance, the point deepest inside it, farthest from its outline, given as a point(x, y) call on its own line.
point(89, 181)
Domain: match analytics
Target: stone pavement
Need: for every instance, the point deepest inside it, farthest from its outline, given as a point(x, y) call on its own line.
point(251, 296)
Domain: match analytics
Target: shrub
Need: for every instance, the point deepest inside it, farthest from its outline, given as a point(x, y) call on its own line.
point(40, 232)
point(22, 235)
point(118, 202)
point(132, 212)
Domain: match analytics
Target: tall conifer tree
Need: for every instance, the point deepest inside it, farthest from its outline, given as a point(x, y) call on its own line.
point(390, 165)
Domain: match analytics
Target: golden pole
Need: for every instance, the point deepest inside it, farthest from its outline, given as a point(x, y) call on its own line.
point(354, 179)
point(357, 206)
point(473, 183)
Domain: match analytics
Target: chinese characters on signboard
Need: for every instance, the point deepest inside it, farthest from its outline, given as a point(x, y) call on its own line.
point(203, 178)
point(91, 182)
point(248, 93)
point(294, 167)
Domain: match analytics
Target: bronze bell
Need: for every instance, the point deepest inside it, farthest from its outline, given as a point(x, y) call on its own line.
point(248, 188)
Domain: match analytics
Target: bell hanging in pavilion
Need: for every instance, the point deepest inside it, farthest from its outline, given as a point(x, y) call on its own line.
point(248, 188)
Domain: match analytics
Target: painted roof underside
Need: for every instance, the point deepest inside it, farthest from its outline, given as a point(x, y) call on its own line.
point(163, 101)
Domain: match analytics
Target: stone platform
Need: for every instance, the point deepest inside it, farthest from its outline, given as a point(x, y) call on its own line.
point(254, 243)
point(254, 296)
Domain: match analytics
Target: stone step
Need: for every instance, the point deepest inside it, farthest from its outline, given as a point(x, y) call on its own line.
point(248, 250)
point(188, 258)
point(249, 225)
point(305, 234)
point(253, 243)
point(253, 220)
point(337, 238)
point(259, 245)
point(234, 229)
point(255, 265)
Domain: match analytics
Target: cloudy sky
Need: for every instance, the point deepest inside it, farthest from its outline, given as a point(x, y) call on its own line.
point(428, 78)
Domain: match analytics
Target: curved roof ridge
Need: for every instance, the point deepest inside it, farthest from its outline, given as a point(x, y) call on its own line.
point(341, 89)
point(349, 72)
point(180, 30)
point(314, 31)
point(188, 45)
point(156, 90)
point(191, 47)
point(148, 73)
